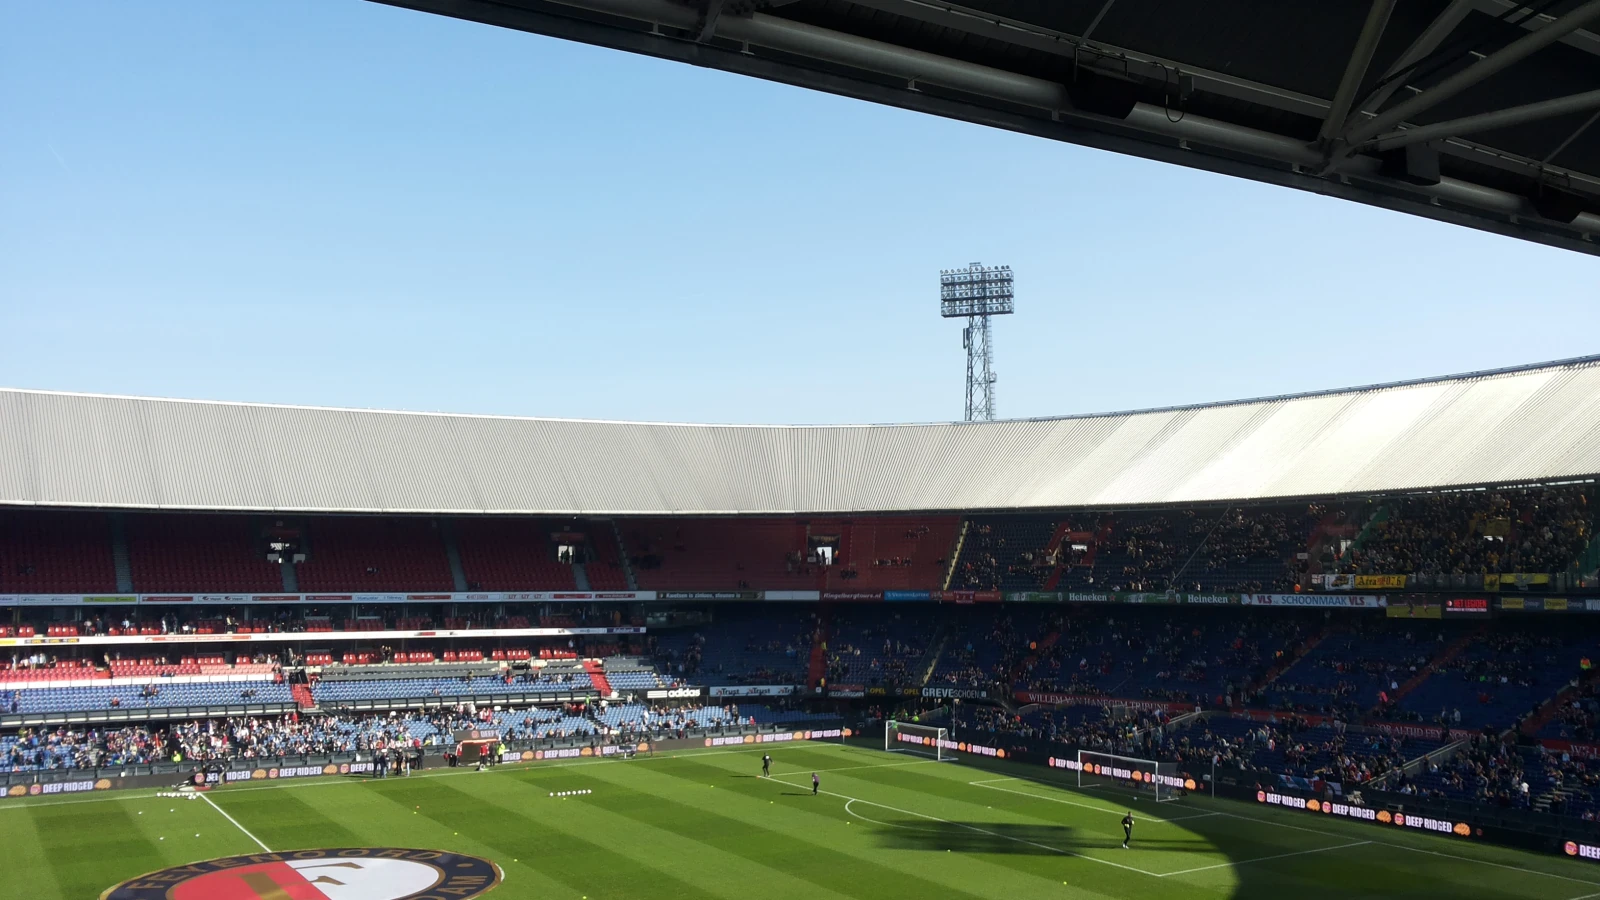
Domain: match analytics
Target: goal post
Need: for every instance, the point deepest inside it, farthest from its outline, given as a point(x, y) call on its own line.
point(1145, 778)
point(922, 740)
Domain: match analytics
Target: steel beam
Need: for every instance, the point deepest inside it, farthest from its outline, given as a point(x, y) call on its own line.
point(1576, 133)
point(1511, 54)
point(1095, 23)
point(1425, 43)
point(1488, 121)
point(1587, 41)
point(1059, 43)
point(708, 20)
point(1000, 99)
point(788, 36)
point(1356, 69)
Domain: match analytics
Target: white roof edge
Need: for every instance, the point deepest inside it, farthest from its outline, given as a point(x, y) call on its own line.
point(1515, 425)
point(1573, 362)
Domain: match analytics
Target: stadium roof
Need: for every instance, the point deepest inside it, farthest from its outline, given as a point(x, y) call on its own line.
point(1537, 423)
point(1478, 112)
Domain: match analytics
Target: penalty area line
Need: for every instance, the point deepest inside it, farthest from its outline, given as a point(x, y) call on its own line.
point(235, 823)
point(990, 785)
point(1245, 862)
point(1219, 814)
point(919, 762)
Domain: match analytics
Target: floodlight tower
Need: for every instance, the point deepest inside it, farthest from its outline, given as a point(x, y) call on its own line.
point(976, 293)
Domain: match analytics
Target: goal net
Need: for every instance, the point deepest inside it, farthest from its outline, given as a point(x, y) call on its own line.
point(924, 740)
point(1145, 778)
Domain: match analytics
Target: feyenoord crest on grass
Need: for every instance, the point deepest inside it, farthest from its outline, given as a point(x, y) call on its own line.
point(350, 873)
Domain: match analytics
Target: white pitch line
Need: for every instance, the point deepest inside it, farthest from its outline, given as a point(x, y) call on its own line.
point(1584, 897)
point(1104, 862)
point(1378, 843)
point(920, 762)
point(1115, 812)
point(1243, 862)
point(236, 823)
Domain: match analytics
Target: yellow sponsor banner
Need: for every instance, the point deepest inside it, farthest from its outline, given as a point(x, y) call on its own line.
point(1522, 580)
point(1511, 603)
point(1491, 582)
point(1380, 582)
point(1555, 604)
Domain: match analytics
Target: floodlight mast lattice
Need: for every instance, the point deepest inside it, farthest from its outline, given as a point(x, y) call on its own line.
point(976, 293)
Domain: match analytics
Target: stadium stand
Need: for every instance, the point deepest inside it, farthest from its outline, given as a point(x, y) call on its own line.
point(56, 553)
point(744, 645)
point(374, 554)
point(1226, 549)
point(604, 568)
point(1473, 532)
point(719, 554)
point(868, 553)
point(187, 553)
point(146, 696)
point(511, 555)
point(881, 646)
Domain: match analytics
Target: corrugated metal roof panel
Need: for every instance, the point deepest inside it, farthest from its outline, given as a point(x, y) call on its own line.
point(1531, 424)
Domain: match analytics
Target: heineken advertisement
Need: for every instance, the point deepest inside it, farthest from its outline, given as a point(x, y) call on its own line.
point(1158, 597)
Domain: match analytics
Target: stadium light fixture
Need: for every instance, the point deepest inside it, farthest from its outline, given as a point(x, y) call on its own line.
point(975, 293)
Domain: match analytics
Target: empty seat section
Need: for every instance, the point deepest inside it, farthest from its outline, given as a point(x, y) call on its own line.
point(360, 554)
point(719, 554)
point(888, 554)
point(55, 553)
point(199, 553)
point(605, 559)
point(511, 555)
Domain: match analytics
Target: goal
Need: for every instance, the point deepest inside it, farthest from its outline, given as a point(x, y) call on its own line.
point(1145, 778)
point(923, 740)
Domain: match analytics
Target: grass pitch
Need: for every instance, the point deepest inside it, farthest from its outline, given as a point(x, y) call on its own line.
point(705, 824)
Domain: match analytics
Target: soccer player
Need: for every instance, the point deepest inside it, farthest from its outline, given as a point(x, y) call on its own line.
point(815, 783)
point(766, 765)
point(1127, 829)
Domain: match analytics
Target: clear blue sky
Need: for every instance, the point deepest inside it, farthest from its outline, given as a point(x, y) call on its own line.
point(333, 202)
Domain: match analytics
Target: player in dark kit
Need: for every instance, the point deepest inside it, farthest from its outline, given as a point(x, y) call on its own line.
point(815, 783)
point(766, 765)
point(1127, 829)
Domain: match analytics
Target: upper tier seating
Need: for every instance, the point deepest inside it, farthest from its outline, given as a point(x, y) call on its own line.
point(195, 552)
point(605, 560)
point(871, 553)
point(374, 554)
point(511, 555)
point(56, 553)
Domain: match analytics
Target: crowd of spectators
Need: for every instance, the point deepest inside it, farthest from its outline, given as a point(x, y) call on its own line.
point(264, 737)
point(1238, 550)
point(1213, 658)
point(1018, 554)
point(1534, 530)
point(877, 651)
point(1486, 770)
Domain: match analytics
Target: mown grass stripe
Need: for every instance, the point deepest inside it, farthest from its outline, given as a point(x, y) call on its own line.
point(781, 851)
point(712, 862)
point(28, 871)
point(90, 855)
point(285, 820)
point(556, 845)
point(1013, 864)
